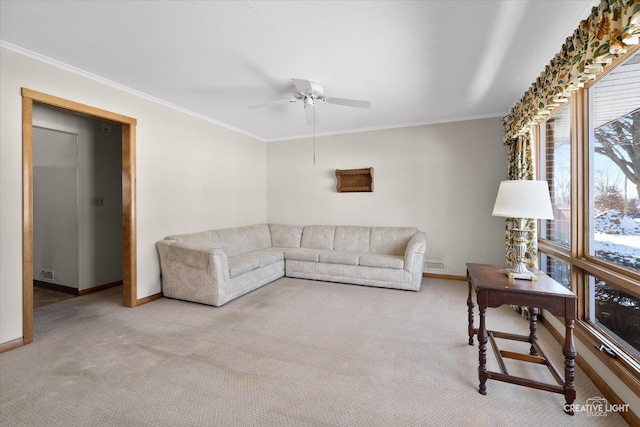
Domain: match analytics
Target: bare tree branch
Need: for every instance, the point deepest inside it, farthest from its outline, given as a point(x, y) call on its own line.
point(619, 140)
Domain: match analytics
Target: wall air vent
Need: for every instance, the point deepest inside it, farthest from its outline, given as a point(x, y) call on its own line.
point(434, 265)
point(46, 274)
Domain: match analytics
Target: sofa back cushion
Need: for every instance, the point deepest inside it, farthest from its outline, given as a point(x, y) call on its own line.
point(352, 238)
point(285, 236)
point(240, 240)
point(318, 236)
point(390, 240)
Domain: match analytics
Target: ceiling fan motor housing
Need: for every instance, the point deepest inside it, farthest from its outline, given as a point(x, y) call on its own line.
point(310, 97)
point(309, 92)
point(316, 89)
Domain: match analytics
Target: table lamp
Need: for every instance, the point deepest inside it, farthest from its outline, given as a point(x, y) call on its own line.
point(522, 199)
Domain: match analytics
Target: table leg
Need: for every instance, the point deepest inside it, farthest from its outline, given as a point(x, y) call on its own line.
point(482, 346)
point(533, 328)
point(569, 352)
point(470, 306)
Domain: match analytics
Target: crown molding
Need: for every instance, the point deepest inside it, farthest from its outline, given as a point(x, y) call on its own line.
point(94, 77)
point(389, 127)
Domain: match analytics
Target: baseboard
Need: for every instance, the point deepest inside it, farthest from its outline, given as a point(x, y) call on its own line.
point(444, 276)
point(149, 299)
point(629, 416)
point(74, 291)
point(99, 288)
point(55, 287)
point(10, 345)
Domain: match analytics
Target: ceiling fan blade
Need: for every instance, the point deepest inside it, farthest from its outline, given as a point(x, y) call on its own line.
point(311, 114)
point(269, 104)
point(347, 102)
point(302, 85)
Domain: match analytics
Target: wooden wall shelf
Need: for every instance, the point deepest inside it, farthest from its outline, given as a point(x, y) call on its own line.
point(354, 180)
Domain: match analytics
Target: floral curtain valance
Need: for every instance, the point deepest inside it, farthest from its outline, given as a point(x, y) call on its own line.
point(612, 27)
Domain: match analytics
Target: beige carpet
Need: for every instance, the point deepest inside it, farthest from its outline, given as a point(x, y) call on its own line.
point(293, 353)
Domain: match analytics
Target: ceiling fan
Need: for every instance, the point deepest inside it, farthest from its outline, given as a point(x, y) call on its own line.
point(310, 92)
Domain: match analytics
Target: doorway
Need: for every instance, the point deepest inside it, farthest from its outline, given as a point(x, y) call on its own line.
point(29, 97)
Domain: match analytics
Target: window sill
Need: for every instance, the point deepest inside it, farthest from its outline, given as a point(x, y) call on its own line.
point(623, 366)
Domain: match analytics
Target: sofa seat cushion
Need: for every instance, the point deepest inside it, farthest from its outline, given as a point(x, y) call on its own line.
point(340, 257)
point(269, 256)
point(382, 260)
point(244, 263)
point(303, 254)
point(241, 264)
point(397, 278)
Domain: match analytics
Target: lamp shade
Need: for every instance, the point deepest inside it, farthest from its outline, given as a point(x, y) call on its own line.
point(523, 199)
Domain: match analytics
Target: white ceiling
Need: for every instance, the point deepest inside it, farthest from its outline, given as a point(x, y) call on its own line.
point(416, 61)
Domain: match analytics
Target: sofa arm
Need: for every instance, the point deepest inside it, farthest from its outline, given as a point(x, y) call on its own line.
point(414, 254)
point(188, 266)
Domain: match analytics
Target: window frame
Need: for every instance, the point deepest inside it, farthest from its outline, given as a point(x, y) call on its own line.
point(539, 166)
point(625, 366)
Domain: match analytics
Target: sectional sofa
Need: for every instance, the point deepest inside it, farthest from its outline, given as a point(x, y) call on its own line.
point(214, 267)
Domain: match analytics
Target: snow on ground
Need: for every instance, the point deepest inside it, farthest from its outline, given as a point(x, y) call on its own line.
point(613, 222)
point(617, 238)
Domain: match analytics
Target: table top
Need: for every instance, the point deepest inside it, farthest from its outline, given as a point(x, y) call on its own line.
point(493, 277)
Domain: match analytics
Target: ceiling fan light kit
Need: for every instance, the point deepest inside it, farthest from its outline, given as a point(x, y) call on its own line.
point(308, 102)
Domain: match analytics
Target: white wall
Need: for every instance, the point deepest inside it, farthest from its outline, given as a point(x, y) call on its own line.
point(107, 233)
point(94, 247)
point(440, 178)
point(55, 206)
point(192, 174)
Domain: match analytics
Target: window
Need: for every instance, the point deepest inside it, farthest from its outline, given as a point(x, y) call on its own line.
point(555, 161)
point(614, 160)
point(558, 270)
point(617, 313)
point(590, 156)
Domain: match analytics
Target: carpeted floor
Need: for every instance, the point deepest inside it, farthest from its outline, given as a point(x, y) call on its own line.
point(292, 353)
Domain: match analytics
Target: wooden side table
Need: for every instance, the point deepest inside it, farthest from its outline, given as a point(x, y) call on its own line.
point(493, 289)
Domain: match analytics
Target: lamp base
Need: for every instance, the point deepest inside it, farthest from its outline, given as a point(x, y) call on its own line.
point(527, 275)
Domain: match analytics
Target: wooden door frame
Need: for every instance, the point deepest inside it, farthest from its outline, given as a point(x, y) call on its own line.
point(129, 253)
